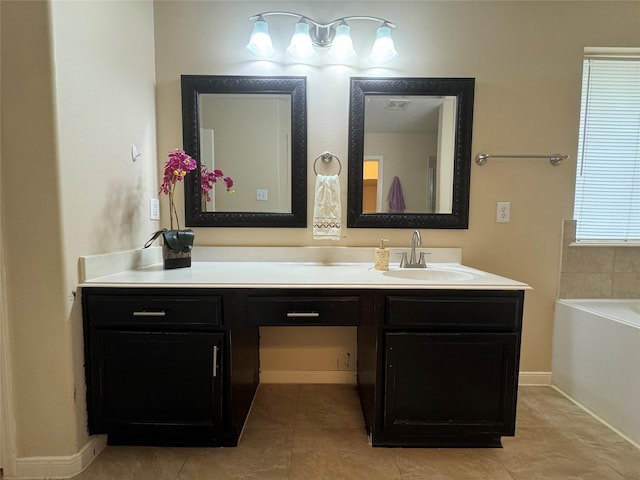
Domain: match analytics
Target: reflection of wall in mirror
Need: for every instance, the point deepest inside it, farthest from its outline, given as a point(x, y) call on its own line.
point(252, 139)
point(406, 157)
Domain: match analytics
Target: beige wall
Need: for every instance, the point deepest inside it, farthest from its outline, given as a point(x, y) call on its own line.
point(526, 58)
point(77, 92)
point(36, 304)
point(78, 89)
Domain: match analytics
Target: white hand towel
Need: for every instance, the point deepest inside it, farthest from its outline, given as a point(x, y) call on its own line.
point(327, 215)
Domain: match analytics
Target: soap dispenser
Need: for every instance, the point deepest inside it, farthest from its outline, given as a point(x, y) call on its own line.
point(382, 256)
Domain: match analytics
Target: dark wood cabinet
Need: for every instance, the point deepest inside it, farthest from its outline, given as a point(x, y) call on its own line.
point(447, 368)
point(159, 369)
point(449, 389)
point(157, 387)
point(181, 366)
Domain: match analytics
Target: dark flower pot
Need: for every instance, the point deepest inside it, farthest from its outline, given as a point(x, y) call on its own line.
point(176, 248)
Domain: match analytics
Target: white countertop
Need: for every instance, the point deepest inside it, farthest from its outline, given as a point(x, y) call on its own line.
point(299, 274)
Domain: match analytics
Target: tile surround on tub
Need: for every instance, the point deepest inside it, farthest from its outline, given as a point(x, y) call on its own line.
point(627, 260)
point(589, 271)
point(585, 285)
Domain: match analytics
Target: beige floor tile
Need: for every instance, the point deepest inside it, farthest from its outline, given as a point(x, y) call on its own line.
point(329, 406)
point(331, 439)
point(263, 454)
point(275, 406)
point(559, 467)
point(342, 465)
point(136, 463)
point(553, 454)
point(316, 432)
point(450, 464)
point(619, 455)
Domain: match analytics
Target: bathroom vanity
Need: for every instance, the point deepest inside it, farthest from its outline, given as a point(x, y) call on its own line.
point(172, 356)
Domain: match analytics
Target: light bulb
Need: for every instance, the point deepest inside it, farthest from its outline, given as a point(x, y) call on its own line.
point(342, 47)
point(260, 42)
point(300, 47)
point(383, 50)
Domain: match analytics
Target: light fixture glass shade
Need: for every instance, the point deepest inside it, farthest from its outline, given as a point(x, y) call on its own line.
point(300, 47)
point(342, 47)
point(260, 44)
point(383, 50)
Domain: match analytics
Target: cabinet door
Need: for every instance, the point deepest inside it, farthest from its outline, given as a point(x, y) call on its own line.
point(158, 387)
point(450, 384)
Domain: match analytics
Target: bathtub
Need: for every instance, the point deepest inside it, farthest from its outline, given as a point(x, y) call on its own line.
point(596, 359)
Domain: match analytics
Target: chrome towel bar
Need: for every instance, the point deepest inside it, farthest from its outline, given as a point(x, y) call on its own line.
point(555, 158)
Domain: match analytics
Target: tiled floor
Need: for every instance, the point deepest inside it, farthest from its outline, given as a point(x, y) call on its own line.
point(314, 432)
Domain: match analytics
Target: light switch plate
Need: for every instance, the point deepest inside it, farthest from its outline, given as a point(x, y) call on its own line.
point(154, 209)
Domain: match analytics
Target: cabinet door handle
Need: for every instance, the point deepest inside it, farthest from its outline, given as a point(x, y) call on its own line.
point(215, 361)
point(303, 314)
point(161, 313)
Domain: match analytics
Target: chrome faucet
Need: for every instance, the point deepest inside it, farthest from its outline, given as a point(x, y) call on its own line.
point(413, 262)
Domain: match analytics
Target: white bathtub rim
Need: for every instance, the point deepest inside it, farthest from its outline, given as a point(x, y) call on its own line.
point(588, 304)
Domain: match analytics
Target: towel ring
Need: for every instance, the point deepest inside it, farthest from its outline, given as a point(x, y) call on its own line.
point(326, 158)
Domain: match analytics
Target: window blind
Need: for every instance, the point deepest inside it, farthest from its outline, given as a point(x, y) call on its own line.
point(607, 201)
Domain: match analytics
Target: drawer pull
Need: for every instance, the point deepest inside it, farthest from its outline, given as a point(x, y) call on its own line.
point(215, 361)
point(303, 314)
point(149, 314)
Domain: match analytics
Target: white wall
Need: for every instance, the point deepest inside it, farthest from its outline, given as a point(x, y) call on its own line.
point(105, 102)
point(77, 90)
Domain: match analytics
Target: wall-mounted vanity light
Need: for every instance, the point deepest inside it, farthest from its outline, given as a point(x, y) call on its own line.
point(335, 35)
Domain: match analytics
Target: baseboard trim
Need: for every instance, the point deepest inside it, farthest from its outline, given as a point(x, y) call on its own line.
point(534, 378)
point(61, 466)
point(295, 376)
point(350, 378)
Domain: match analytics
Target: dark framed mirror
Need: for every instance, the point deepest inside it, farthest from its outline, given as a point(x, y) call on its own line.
point(254, 129)
point(410, 152)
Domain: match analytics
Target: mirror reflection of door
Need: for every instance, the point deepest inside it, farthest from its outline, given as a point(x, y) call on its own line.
point(416, 135)
point(432, 168)
point(372, 184)
point(207, 158)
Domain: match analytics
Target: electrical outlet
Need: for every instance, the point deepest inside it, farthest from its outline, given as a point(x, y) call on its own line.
point(154, 209)
point(262, 194)
point(503, 212)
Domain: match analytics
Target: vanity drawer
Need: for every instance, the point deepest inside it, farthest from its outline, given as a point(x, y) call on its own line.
point(498, 312)
point(303, 310)
point(166, 311)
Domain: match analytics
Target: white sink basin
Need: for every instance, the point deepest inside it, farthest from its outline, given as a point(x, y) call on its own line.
point(431, 275)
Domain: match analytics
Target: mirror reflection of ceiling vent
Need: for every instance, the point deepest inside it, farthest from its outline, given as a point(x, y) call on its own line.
point(397, 104)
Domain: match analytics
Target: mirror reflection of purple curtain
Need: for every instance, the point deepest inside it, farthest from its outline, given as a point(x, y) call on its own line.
point(395, 197)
